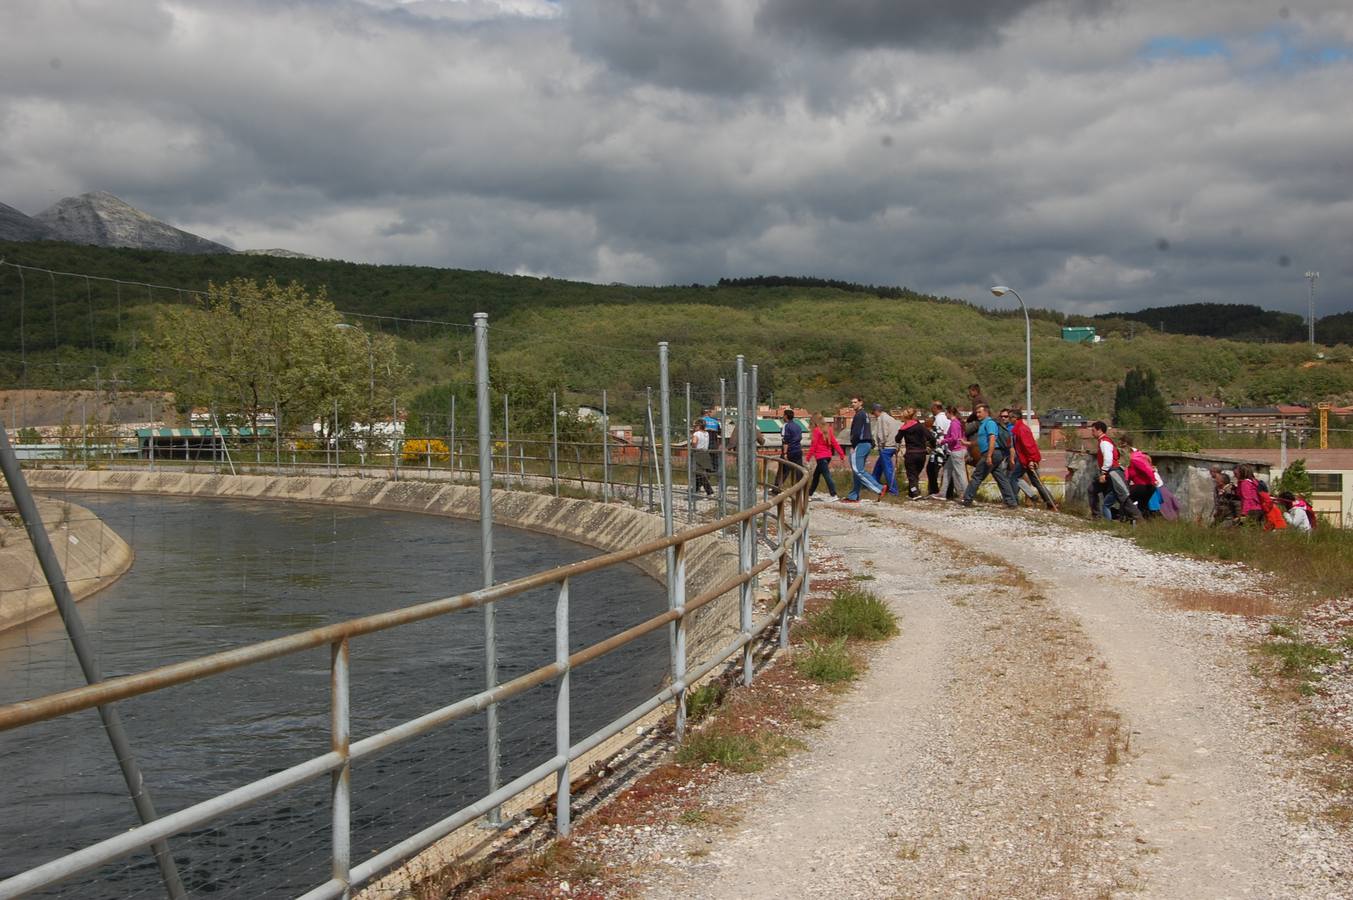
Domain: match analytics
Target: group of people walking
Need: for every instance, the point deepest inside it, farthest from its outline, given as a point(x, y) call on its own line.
point(937, 445)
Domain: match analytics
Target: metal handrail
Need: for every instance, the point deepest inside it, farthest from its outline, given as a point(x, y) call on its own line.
point(791, 542)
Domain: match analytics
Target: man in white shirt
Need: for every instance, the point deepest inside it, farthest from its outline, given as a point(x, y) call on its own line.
point(885, 428)
point(700, 459)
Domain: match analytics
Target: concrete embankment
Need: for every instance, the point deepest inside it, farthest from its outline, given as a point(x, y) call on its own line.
point(604, 526)
point(92, 556)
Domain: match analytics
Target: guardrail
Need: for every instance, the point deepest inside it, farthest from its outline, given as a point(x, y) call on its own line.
point(789, 558)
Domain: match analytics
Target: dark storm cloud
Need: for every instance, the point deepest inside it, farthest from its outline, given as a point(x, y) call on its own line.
point(672, 142)
point(917, 24)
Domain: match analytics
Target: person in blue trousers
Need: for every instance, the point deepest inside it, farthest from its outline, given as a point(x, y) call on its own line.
point(861, 443)
point(993, 446)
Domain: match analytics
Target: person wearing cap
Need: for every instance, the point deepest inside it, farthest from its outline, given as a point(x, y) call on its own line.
point(884, 429)
point(861, 443)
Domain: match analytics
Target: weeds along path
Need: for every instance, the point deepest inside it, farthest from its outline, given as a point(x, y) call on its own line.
point(1210, 784)
point(974, 758)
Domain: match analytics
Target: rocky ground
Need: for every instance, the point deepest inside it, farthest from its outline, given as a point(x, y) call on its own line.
point(1063, 714)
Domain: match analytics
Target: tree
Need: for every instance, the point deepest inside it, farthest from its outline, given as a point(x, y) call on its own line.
point(1295, 478)
point(254, 347)
point(1138, 404)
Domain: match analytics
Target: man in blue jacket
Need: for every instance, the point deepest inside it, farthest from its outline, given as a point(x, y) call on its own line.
point(861, 443)
point(993, 446)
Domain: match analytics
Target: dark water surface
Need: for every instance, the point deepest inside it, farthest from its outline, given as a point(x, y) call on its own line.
point(213, 574)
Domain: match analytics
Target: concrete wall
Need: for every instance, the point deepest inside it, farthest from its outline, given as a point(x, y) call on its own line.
point(1187, 475)
point(91, 555)
point(604, 526)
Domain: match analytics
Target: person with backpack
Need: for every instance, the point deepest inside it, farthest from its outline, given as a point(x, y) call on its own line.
point(1247, 487)
point(700, 459)
point(1109, 478)
point(791, 447)
point(993, 447)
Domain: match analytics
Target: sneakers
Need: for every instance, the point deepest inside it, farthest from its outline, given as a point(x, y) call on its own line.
point(833, 499)
point(848, 500)
point(967, 503)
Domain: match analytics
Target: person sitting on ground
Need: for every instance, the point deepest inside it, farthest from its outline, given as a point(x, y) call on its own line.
point(1296, 511)
point(1247, 487)
point(822, 446)
point(1226, 502)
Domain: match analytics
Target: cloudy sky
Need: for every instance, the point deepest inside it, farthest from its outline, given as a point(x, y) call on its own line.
point(1096, 154)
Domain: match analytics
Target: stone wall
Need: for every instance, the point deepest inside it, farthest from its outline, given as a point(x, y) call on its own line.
point(1187, 475)
point(91, 554)
point(604, 526)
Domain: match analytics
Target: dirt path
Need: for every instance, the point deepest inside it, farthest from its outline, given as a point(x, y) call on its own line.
point(1043, 727)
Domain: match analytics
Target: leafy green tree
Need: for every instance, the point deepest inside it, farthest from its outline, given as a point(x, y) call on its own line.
point(254, 347)
point(29, 436)
point(1295, 478)
point(1138, 404)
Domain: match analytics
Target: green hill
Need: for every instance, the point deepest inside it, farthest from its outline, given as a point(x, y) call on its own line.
point(1237, 321)
point(815, 342)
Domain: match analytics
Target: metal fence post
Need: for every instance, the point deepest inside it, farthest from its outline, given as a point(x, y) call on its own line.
point(745, 525)
point(723, 444)
point(451, 446)
point(562, 731)
point(668, 529)
point(481, 372)
point(340, 734)
point(755, 419)
point(690, 461)
point(605, 451)
point(396, 442)
point(554, 442)
point(507, 448)
point(652, 447)
point(79, 639)
point(782, 595)
point(679, 653)
point(804, 519)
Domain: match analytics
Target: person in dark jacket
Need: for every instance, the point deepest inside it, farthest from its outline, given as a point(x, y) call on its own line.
point(912, 438)
point(861, 443)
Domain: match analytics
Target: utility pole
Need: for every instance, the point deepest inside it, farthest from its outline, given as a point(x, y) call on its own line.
point(1311, 279)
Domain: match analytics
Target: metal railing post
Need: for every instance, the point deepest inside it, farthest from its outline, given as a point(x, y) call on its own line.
point(562, 731)
point(481, 365)
point(679, 648)
point(340, 737)
point(652, 447)
point(451, 447)
point(804, 518)
point(79, 639)
point(554, 442)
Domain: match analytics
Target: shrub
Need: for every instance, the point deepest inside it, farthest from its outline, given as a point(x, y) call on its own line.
point(826, 663)
point(701, 701)
point(1295, 479)
point(29, 435)
point(734, 751)
point(417, 450)
point(854, 613)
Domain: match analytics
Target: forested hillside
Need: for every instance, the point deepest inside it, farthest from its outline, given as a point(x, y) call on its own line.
point(815, 342)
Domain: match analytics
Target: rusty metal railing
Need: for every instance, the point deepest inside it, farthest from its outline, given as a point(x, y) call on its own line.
point(789, 557)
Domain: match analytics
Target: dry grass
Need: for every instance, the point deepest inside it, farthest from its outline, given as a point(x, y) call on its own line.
point(1251, 604)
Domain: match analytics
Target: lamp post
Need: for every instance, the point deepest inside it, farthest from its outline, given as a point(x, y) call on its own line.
point(1001, 290)
point(371, 365)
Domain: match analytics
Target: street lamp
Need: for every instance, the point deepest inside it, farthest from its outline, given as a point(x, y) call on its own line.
point(1001, 290)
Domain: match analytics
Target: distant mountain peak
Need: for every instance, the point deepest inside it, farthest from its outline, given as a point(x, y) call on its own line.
point(105, 220)
point(15, 226)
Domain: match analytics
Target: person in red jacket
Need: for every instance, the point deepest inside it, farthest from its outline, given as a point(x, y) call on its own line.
point(821, 447)
point(1027, 458)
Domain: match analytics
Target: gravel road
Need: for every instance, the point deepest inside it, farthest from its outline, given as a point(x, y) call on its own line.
point(1044, 726)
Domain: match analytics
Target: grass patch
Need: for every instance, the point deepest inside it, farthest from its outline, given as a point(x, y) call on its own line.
point(1300, 659)
point(808, 717)
point(1284, 631)
point(701, 701)
point(735, 751)
point(1319, 562)
point(828, 663)
point(854, 613)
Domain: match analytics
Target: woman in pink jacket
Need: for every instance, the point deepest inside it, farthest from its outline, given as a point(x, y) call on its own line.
point(954, 472)
point(821, 447)
point(1251, 509)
